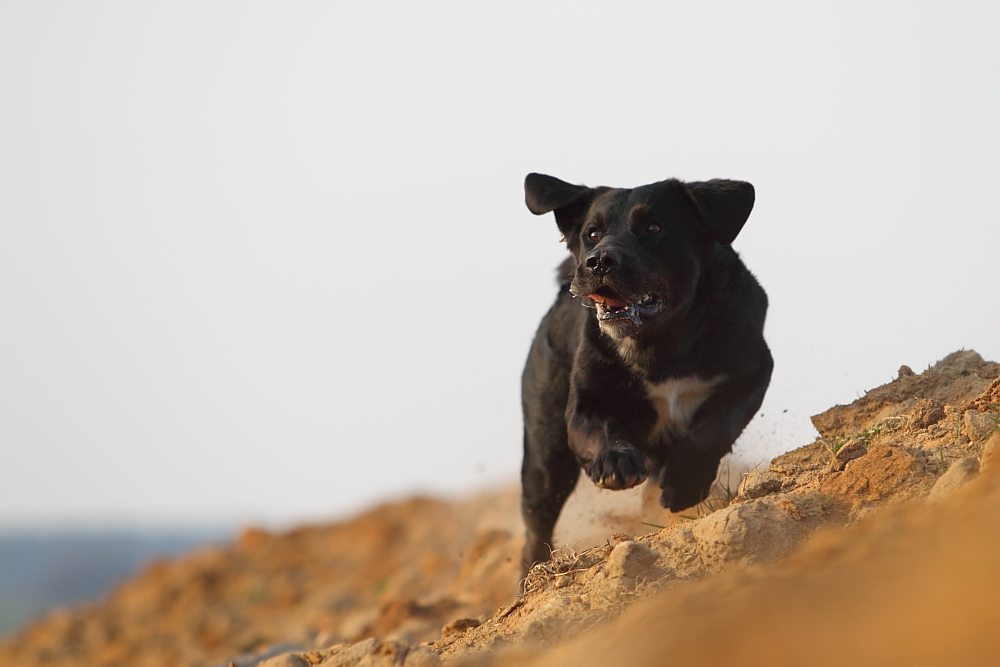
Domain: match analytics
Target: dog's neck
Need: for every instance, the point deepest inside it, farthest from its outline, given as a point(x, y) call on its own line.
point(640, 352)
point(636, 356)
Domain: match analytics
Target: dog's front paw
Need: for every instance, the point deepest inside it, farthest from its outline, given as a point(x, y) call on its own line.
point(618, 469)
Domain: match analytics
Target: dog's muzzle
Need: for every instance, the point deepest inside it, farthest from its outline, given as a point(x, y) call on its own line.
point(614, 307)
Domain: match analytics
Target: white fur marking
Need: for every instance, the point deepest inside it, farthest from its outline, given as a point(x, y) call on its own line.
point(676, 401)
point(629, 351)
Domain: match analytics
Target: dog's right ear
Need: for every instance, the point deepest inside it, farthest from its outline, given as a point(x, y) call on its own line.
point(570, 202)
point(546, 193)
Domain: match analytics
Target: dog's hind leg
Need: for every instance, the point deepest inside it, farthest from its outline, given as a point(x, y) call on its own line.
point(548, 477)
point(550, 469)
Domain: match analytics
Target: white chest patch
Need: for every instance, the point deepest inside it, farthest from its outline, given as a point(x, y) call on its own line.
point(676, 401)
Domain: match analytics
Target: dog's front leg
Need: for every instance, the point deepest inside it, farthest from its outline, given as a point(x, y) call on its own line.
point(604, 451)
point(687, 478)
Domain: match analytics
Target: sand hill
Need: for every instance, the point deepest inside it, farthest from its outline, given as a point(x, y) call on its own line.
point(875, 544)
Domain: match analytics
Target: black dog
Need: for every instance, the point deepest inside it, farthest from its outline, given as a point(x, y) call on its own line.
point(667, 367)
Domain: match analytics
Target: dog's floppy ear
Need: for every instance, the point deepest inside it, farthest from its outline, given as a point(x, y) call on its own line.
point(724, 206)
point(546, 193)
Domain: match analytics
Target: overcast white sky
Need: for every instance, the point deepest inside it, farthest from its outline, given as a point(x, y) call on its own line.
point(271, 261)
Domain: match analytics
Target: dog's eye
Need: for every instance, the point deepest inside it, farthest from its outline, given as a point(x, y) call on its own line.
point(594, 235)
point(653, 228)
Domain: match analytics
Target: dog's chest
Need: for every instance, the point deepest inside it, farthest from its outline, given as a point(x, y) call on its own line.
point(676, 400)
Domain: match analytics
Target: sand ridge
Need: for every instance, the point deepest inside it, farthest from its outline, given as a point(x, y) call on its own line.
point(890, 494)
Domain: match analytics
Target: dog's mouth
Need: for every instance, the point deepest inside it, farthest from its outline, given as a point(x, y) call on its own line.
point(611, 306)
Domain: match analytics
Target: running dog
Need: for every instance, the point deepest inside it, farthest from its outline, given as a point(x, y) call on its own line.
point(652, 360)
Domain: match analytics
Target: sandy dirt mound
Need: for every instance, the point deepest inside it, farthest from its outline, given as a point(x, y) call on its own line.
point(917, 585)
point(394, 572)
point(872, 511)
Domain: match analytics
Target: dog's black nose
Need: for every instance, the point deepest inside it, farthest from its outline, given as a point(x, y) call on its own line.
point(601, 261)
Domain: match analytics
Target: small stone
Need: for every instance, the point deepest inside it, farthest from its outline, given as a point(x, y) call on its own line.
point(535, 633)
point(351, 655)
point(958, 475)
point(265, 657)
point(286, 660)
point(757, 484)
point(852, 449)
point(977, 425)
point(905, 372)
point(987, 458)
point(926, 412)
point(629, 565)
point(631, 560)
point(458, 626)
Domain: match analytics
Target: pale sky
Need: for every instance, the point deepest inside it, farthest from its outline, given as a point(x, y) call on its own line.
point(271, 261)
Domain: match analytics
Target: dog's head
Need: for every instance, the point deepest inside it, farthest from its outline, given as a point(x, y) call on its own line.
point(639, 252)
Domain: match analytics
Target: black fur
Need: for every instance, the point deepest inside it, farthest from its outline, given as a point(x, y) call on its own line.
point(668, 304)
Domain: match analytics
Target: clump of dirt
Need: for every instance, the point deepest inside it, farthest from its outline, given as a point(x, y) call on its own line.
point(419, 583)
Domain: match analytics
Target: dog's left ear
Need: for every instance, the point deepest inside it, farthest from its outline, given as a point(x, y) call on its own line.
point(724, 206)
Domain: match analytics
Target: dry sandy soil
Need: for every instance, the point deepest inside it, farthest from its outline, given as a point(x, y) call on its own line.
point(877, 544)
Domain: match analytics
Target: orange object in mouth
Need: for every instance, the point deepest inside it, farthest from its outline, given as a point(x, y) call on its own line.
point(607, 301)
